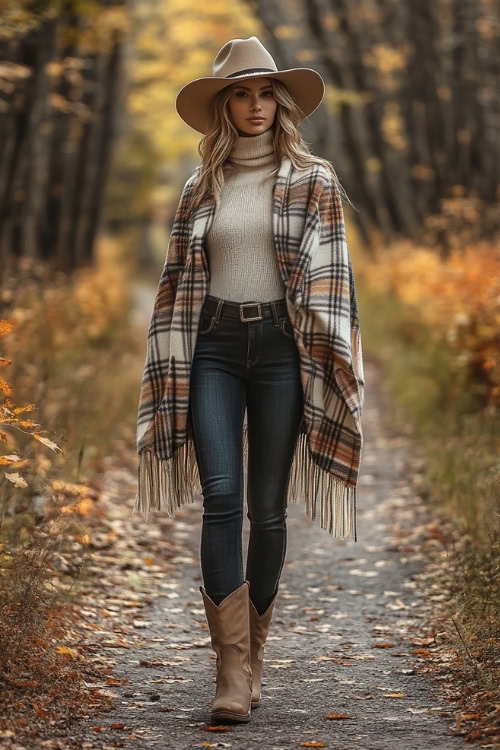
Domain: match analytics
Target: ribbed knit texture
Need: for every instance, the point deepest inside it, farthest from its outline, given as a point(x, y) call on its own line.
point(241, 255)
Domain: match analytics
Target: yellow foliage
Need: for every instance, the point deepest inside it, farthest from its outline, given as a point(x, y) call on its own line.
point(306, 55)
point(287, 32)
point(97, 294)
point(372, 164)
point(393, 127)
point(173, 43)
point(336, 97)
point(457, 298)
point(389, 64)
point(64, 315)
point(422, 172)
point(69, 487)
point(84, 539)
point(387, 59)
point(83, 507)
point(330, 21)
point(5, 387)
point(100, 289)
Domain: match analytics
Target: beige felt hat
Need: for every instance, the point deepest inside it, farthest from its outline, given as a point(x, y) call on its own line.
point(239, 59)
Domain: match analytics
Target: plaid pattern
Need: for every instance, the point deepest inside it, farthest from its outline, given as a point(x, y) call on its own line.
point(309, 237)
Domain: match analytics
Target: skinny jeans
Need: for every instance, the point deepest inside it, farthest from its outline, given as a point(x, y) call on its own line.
point(240, 365)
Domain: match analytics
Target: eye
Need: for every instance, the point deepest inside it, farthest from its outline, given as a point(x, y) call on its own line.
point(244, 93)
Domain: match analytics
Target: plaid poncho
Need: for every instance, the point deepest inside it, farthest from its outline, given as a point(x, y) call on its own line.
point(310, 242)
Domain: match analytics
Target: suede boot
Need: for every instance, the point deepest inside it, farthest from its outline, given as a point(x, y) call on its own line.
point(229, 631)
point(259, 628)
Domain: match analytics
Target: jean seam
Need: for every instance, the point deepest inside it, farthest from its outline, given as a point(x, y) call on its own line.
point(282, 328)
point(242, 496)
point(259, 344)
point(210, 328)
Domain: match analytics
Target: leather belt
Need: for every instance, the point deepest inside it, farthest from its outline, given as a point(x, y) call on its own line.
point(244, 311)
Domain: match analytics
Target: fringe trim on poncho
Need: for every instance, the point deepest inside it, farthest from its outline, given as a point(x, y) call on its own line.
point(169, 484)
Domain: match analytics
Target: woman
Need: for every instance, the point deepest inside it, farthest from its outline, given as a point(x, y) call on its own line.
point(255, 315)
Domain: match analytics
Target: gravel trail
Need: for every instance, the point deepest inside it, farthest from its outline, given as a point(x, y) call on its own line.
point(338, 599)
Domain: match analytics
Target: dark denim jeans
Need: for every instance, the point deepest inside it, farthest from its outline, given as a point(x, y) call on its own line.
point(237, 365)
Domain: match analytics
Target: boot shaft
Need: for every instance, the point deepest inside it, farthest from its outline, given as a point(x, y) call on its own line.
point(229, 622)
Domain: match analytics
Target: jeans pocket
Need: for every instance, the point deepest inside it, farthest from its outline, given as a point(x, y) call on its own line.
point(286, 328)
point(207, 324)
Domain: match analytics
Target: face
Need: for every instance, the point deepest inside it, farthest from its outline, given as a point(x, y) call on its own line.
point(252, 98)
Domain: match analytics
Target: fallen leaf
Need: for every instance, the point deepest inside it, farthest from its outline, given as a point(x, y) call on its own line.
point(115, 681)
point(16, 479)
point(13, 458)
point(47, 442)
point(367, 573)
point(217, 728)
point(338, 716)
point(394, 695)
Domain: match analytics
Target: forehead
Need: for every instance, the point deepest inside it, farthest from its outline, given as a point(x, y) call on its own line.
point(259, 82)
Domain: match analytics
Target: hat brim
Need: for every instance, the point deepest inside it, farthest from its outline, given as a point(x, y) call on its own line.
point(194, 101)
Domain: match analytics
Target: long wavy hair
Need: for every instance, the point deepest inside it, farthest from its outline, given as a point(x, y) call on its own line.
point(215, 147)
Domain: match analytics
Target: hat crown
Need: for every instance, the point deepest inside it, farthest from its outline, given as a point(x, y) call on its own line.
point(240, 56)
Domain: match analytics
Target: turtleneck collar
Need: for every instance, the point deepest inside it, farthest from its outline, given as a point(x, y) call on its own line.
point(253, 150)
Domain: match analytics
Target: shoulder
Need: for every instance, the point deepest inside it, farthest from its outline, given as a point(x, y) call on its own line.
point(191, 180)
point(316, 176)
point(312, 186)
point(187, 191)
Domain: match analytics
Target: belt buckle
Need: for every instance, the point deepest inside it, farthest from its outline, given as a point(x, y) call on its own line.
point(250, 304)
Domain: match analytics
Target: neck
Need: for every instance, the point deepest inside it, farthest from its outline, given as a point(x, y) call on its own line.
point(253, 150)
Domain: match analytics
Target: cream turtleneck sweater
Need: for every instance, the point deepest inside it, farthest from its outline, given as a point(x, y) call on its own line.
point(243, 262)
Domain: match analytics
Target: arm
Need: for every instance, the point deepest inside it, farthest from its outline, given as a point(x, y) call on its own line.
point(158, 340)
point(332, 296)
point(176, 253)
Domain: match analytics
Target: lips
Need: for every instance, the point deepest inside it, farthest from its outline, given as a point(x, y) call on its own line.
point(256, 119)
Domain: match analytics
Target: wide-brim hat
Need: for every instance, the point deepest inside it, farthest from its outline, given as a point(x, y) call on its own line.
point(238, 60)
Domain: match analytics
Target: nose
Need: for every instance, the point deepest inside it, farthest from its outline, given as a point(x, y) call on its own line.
point(255, 105)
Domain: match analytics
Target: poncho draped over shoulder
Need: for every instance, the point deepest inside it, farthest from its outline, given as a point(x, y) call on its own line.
point(310, 242)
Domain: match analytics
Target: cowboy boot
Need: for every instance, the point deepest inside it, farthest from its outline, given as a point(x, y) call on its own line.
point(229, 631)
point(259, 628)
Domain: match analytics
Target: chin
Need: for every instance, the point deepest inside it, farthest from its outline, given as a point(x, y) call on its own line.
point(255, 129)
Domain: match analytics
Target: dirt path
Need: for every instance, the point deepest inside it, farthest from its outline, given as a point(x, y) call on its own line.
point(338, 600)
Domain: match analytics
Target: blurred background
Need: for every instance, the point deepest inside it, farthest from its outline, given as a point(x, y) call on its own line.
point(92, 159)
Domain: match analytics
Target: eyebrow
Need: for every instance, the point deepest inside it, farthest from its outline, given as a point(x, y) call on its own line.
point(238, 86)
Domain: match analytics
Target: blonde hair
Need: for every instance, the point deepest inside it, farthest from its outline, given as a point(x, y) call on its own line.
point(215, 147)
